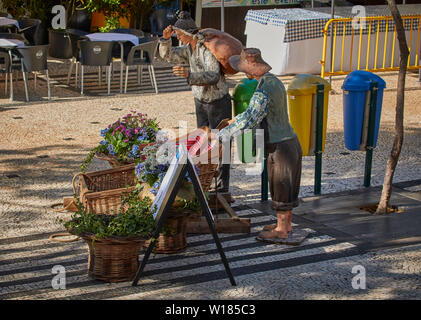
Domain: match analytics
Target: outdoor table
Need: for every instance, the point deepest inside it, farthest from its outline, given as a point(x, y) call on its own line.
point(291, 40)
point(115, 37)
point(9, 45)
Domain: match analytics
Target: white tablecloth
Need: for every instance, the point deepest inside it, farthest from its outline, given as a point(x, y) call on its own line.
point(113, 36)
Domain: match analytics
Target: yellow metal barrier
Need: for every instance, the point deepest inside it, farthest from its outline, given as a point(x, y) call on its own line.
point(367, 45)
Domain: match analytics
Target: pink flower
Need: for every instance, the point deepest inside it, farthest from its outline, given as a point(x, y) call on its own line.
point(127, 140)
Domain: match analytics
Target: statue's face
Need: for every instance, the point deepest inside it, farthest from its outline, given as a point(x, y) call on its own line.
point(185, 39)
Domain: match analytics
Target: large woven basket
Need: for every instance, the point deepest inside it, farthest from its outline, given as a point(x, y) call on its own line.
point(113, 259)
point(101, 191)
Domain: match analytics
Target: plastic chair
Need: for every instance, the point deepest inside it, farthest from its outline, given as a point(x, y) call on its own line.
point(75, 35)
point(96, 53)
point(60, 45)
point(30, 30)
point(34, 59)
point(138, 58)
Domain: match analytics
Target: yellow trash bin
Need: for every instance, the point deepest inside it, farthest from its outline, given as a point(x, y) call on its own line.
point(302, 99)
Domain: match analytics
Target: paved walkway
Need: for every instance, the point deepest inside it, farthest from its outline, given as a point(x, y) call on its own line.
point(342, 237)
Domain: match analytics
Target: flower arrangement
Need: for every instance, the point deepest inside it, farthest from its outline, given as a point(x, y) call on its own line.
point(124, 139)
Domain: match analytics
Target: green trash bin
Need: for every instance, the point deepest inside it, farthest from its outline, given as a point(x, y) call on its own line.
point(241, 96)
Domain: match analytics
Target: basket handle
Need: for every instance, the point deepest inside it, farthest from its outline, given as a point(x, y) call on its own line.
point(74, 181)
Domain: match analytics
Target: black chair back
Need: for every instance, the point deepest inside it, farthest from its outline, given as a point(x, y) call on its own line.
point(149, 50)
point(30, 29)
point(34, 57)
point(60, 45)
point(95, 53)
point(4, 14)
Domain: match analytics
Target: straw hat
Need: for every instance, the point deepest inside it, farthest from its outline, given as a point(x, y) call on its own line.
point(250, 61)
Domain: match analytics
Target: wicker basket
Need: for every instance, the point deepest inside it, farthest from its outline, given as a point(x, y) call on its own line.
point(176, 241)
point(101, 191)
point(113, 259)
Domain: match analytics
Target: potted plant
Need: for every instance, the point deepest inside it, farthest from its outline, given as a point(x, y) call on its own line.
point(114, 241)
point(124, 139)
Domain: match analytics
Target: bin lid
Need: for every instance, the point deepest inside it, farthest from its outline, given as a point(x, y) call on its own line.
point(360, 81)
point(244, 90)
point(305, 84)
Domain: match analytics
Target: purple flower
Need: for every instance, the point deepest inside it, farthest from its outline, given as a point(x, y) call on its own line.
point(139, 169)
point(103, 132)
point(135, 149)
point(110, 149)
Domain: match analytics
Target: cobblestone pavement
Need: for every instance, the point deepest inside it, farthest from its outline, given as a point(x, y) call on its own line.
point(320, 268)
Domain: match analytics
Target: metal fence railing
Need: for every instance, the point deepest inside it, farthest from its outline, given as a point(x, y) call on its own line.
point(371, 45)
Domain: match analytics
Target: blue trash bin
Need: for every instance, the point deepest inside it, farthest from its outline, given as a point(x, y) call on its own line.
point(355, 88)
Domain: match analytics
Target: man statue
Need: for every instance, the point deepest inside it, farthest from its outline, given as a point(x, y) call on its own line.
point(203, 73)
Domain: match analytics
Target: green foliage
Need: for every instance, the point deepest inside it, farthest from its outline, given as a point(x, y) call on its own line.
point(108, 7)
point(133, 219)
point(110, 24)
point(39, 9)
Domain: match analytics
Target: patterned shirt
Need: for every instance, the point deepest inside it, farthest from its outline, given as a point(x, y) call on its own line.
point(249, 119)
point(205, 78)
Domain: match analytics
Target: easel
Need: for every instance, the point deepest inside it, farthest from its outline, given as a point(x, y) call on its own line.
point(180, 165)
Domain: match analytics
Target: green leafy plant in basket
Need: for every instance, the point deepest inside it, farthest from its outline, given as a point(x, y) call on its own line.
point(124, 139)
point(134, 219)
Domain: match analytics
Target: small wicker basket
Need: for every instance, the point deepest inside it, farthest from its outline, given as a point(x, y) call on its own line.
point(175, 241)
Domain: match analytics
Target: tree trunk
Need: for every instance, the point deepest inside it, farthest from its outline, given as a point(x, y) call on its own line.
point(399, 130)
